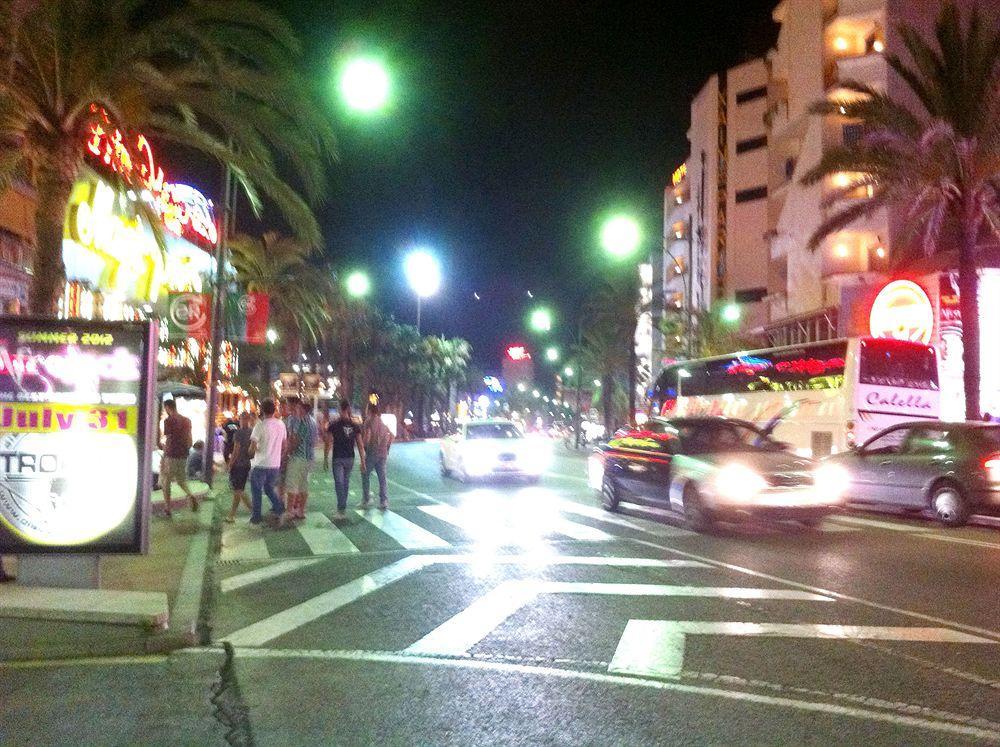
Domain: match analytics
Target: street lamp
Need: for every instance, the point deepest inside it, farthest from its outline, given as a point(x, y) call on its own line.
point(364, 85)
point(552, 355)
point(423, 273)
point(272, 335)
point(358, 284)
point(620, 236)
point(568, 371)
point(541, 319)
point(731, 313)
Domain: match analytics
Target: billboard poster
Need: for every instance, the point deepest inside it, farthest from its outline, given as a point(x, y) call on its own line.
point(75, 434)
point(189, 315)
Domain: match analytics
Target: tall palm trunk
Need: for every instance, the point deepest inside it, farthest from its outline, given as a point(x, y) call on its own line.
point(968, 290)
point(53, 189)
point(608, 404)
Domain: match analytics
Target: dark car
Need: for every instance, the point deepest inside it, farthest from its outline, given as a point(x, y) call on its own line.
point(714, 469)
point(952, 469)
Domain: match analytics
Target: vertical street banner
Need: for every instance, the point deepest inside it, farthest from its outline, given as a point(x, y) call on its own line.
point(75, 435)
point(246, 317)
point(189, 315)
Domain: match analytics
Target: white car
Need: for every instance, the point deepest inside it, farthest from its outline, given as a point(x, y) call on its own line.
point(493, 448)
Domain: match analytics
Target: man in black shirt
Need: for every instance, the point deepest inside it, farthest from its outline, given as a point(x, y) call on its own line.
point(343, 435)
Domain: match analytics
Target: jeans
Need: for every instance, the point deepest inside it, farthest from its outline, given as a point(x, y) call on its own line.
point(376, 464)
point(262, 480)
point(342, 467)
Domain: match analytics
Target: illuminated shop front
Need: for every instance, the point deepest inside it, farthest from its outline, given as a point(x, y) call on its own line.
point(926, 309)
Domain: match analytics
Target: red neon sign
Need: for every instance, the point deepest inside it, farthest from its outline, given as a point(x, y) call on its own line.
point(183, 210)
point(518, 353)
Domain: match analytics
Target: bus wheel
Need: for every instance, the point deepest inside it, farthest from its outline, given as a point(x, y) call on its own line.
point(609, 495)
point(698, 517)
point(950, 506)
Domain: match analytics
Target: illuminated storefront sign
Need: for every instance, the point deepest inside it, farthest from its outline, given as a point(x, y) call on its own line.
point(183, 210)
point(74, 435)
point(902, 311)
point(679, 174)
point(518, 353)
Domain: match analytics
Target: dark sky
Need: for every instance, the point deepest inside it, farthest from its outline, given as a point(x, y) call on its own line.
point(514, 127)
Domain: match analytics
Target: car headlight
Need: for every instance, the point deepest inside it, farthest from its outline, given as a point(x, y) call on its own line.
point(536, 457)
point(832, 481)
point(477, 460)
point(738, 483)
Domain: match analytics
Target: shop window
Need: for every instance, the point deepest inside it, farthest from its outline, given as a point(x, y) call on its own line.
point(751, 94)
point(754, 143)
point(749, 195)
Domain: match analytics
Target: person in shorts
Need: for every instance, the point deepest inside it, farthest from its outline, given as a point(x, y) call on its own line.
point(301, 453)
point(176, 445)
point(239, 466)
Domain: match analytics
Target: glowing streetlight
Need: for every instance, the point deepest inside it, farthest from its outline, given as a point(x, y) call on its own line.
point(522, 387)
point(358, 284)
point(552, 355)
point(272, 335)
point(423, 273)
point(568, 371)
point(364, 85)
point(541, 319)
point(597, 382)
point(535, 393)
point(620, 236)
point(731, 313)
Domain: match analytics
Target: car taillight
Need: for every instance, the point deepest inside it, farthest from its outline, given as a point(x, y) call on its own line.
point(992, 466)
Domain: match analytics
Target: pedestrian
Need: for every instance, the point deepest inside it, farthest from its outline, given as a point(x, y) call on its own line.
point(176, 445)
point(301, 454)
point(229, 429)
point(377, 438)
point(343, 434)
point(267, 444)
point(239, 466)
point(196, 460)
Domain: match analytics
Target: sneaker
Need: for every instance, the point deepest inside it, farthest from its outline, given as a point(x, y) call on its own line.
point(365, 503)
point(285, 519)
point(383, 505)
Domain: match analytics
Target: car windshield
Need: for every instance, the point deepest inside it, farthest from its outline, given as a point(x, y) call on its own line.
point(707, 438)
point(492, 430)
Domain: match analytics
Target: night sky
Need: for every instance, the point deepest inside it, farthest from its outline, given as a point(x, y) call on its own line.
point(514, 128)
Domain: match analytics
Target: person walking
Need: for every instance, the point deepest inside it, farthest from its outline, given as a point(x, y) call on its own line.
point(239, 466)
point(343, 435)
point(176, 445)
point(267, 444)
point(301, 454)
point(377, 438)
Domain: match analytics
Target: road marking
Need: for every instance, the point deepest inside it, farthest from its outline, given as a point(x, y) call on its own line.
point(457, 635)
point(263, 574)
point(489, 527)
point(961, 541)
point(655, 648)
point(288, 620)
point(405, 532)
point(600, 514)
point(417, 493)
point(742, 696)
point(243, 543)
point(993, 634)
point(891, 525)
point(323, 536)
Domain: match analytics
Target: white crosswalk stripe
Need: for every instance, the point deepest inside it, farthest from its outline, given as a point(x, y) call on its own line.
point(243, 543)
point(323, 536)
point(405, 532)
point(503, 528)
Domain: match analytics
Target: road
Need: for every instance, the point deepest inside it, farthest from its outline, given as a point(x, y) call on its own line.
point(516, 614)
point(473, 614)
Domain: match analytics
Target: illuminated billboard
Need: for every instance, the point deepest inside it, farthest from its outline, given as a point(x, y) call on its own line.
point(75, 434)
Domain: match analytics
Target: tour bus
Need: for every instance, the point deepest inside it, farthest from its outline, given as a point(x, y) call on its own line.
point(821, 398)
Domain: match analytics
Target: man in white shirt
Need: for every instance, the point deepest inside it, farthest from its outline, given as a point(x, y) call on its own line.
point(267, 444)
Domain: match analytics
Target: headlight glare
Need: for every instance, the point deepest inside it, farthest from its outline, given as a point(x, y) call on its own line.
point(832, 481)
point(738, 483)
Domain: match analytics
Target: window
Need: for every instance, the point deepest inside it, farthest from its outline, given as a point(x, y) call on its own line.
point(748, 195)
point(492, 430)
point(789, 168)
point(890, 442)
point(751, 94)
point(928, 441)
point(750, 295)
point(897, 363)
point(852, 133)
point(742, 146)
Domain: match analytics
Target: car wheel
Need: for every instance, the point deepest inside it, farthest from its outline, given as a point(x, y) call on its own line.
point(610, 497)
point(949, 505)
point(445, 472)
point(698, 517)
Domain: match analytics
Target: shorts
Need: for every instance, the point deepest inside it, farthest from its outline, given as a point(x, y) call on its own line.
point(297, 475)
point(173, 470)
point(238, 475)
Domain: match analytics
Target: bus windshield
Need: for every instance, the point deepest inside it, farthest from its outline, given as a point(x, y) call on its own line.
point(898, 363)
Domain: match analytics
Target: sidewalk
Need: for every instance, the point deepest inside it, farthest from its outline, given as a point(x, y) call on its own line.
point(175, 567)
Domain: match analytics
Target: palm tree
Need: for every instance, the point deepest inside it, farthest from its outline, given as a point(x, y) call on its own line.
point(299, 292)
point(215, 76)
point(938, 163)
point(608, 330)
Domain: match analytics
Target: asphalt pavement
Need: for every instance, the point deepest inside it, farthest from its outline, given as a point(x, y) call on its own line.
point(513, 613)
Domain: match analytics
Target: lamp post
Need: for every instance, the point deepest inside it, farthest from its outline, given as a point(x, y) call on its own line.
point(620, 237)
point(357, 284)
point(423, 273)
point(364, 85)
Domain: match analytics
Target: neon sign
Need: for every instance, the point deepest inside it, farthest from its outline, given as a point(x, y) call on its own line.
point(679, 173)
point(518, 353)
point(183, 210)
point(902, 311)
